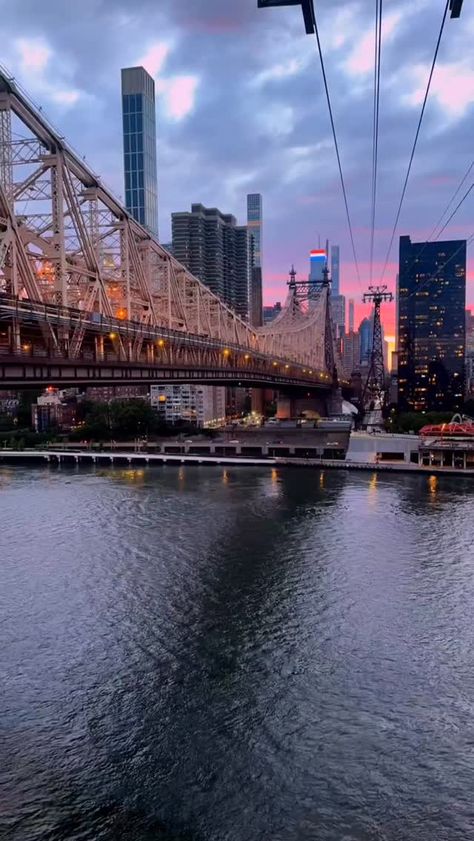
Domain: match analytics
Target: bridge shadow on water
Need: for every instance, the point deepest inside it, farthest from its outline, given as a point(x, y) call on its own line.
point(214, 765)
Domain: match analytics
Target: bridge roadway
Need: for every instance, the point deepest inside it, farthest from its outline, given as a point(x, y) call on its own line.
point(117, 352)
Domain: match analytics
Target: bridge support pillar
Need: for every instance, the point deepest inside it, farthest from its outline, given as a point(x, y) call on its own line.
point(334, 403)
point(150, 353)
point(99, 348)
point(299, 405)
point(285, 407)
point(257, 400)
point(16, 337)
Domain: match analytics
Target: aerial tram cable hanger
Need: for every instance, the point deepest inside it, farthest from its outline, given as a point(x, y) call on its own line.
point(311, 28)
point(454, 6)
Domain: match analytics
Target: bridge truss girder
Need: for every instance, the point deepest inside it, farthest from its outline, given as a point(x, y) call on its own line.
point(67, 242)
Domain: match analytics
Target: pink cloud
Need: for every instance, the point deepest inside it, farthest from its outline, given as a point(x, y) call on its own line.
point(34, 54)
point(439, 180)
point(154, 58)
point(452, 86)
point(361, 60)
point(218, 26)
point(179, 95)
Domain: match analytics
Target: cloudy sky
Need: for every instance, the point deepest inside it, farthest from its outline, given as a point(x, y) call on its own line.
point(241, 108)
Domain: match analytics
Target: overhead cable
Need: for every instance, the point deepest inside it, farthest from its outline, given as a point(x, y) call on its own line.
point(375, 130)
point(432, 237)
point(336, 146)
point(412, 154)
point(463, 244)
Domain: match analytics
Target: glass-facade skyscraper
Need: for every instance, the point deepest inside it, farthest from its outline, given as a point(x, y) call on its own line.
point(139, 146)
point(431, 325)
point(254, 227)
point(366, 333)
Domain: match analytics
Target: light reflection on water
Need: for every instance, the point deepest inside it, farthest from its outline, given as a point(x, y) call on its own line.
point(234, 654)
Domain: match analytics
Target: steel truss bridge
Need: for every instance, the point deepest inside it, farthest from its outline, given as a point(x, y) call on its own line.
point(87, 295)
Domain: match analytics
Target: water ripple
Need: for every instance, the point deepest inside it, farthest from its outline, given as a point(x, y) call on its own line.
point(205, 655)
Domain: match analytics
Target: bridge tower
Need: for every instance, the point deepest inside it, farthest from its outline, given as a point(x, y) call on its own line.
point(304, 296)
point(374, 393)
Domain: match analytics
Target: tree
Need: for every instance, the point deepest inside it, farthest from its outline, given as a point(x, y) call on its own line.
point(132, 417)
point(468, 408)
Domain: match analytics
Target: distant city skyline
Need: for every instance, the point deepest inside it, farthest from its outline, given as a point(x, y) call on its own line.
point(213, 126)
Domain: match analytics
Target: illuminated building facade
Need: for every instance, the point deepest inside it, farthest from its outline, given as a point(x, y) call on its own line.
point(317, 263)
point(431, 325)
point(198, 405)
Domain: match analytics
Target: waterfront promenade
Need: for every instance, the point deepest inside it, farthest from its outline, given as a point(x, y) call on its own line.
point(58, 457)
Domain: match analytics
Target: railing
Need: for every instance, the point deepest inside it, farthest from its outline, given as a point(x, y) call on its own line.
point(36, 312)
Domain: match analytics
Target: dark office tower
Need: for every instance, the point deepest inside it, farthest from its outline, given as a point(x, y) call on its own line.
point(431, 325)
point(216, 250)
point(254, 225)
point(139, 146)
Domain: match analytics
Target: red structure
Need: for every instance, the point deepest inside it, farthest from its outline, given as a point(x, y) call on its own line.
point(459, 426)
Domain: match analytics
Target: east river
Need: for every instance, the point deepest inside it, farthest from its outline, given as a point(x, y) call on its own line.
point(199, 654)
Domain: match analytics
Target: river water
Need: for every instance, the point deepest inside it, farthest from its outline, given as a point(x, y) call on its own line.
point(199, 654)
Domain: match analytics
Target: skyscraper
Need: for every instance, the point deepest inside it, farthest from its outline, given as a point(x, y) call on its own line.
point(338, 301)
point(351, 315)
point(216, 250)
point(139, 146)
point(431, 325)
point(270, 313)
point(317, 263)
point(335, 289)
point(254, 226)
point(366, 332)
point(338, 308)
point(469, 354)
point(351, 353)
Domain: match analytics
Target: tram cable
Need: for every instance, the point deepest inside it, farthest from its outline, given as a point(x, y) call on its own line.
point(415, 142)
